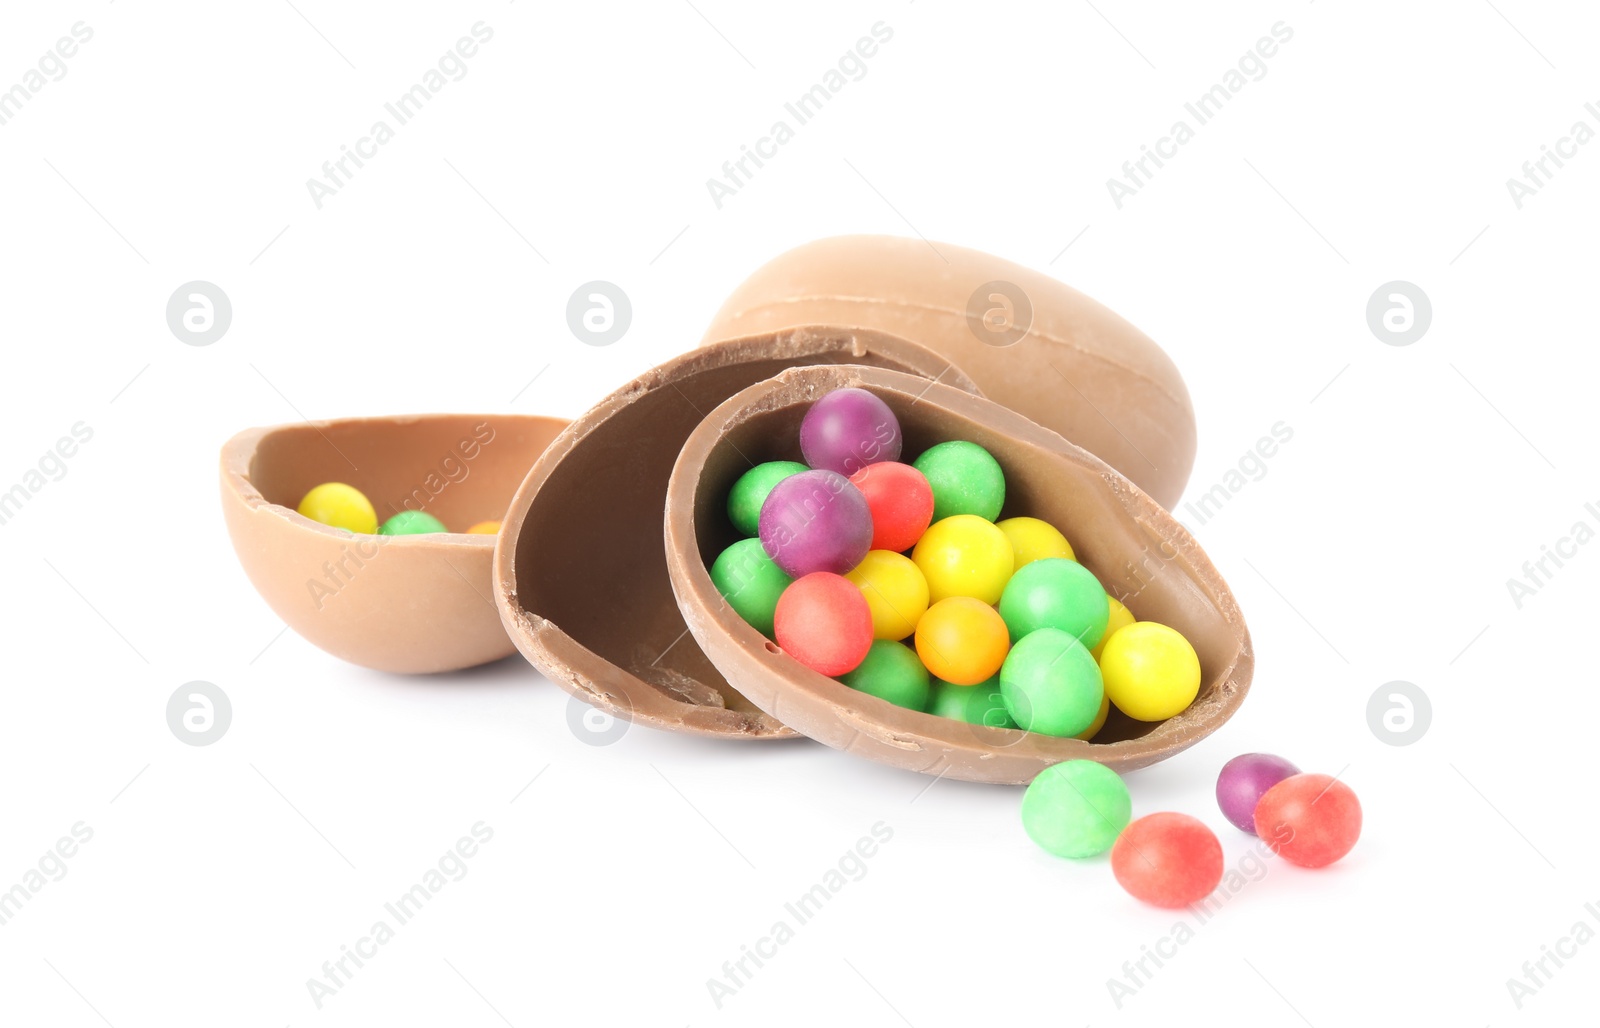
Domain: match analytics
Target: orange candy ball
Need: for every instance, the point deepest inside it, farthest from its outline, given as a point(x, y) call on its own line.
point(962, 640)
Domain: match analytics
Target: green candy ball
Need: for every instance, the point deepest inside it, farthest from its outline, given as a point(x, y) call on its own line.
point(750, 582)
point(979, 704)
point(1051, 684)
point(412, 522)
point(892, 671)
point(965, 480)
point(750, 492)
point(1076, 808)
point(1056, 593)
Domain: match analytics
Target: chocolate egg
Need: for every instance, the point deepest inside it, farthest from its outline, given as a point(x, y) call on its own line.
point(581, 575)
point(1030, 342)
point(1137, 550)
point(405, 603)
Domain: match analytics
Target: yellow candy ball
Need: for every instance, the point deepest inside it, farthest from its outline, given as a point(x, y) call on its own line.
point(1099, 721)
point(1032, 539)
point(1150, 671)
point(485, 528)
point(897, 594)
point(340, 506)
point(962, 640)
point(965, 555)
point(1121, 617)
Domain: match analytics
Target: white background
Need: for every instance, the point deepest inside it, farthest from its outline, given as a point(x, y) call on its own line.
point(1376, 548)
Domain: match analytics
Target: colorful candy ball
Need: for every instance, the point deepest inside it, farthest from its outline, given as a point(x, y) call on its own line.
point(847, 430)
point(339, 506)
point(901, 501)
point(1119, 617)
point(816, 521)
point(412, 522)
point(1167, 860)
point(1076, 808)
point(750, 582)
point(1050, 683)
point(964, 555)
point(979, 704)
point(1150, 671)
point(1310, 820)
point(1099, 721)
point(965, 478)
point(1032, 539)
point(1242, 783)
point(485, 528)
point(751, 490)
point(896, 592)
point(1056, 593)
point(822, 621)
point(891, 671)
point(962, 640)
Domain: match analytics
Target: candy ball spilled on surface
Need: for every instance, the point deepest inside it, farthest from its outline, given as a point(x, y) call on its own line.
point(750, 492)
point(1032, 539)
point(1242, 783)
point(822, 621)
point(1076, 808)
point(962, 640)
point(1311, 820)
point(1050, 683)
point(847, 430)
point(979, 704)
point(1150, 671)
point(1167, 860)
point(964, 555)
point(891, 671)
point(485, 528)
point(901, 501)
point(965, 478)
point(339, 506)
point(1056, 593)
point(412, 522)
point(750, 582)
point(895, 590)
point(1119, 617)
point(816, 521)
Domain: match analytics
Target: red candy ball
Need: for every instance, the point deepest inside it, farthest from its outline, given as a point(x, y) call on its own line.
point(1168, 860)
point(1310, 820)
point(901, 501)
point(823, 621)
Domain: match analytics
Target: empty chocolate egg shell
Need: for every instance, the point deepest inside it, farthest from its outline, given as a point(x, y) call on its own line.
point(1138, 551)
point(1030, 342)
point(581, 576)
point(415, 603)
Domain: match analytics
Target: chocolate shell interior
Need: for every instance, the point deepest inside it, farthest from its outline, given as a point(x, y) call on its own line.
point(580, 574)
point(1138, 551)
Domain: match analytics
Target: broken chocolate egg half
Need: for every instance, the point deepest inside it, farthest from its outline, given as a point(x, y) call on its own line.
point(1137, 550)
point(580, 574)
point(405, 603)
point(1030, 342)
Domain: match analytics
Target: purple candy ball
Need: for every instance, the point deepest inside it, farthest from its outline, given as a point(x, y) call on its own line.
point(1242, 783)
point(848, 429)
point(816, 521)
